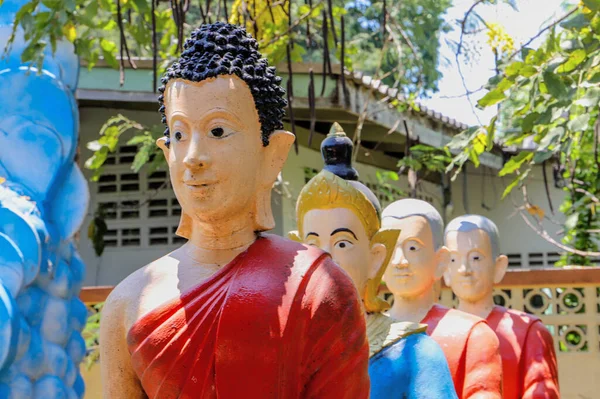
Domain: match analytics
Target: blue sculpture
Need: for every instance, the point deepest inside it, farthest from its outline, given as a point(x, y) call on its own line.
point(410, 368)
point(43, 201)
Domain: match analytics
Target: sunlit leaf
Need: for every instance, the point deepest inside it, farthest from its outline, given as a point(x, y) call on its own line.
point(70, 32)
point(515, 163)
point(514, 68)
point(510, 187)
point(528, 71)
point(491, 98)
point(579, 123)
point(491, 132)
point(575, 58)
point(590, 98)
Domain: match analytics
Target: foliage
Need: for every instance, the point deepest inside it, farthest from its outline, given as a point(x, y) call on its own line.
point(416, 24)
point(550, 95)
point(148, 156)
point(91, 335)
point(425, 158)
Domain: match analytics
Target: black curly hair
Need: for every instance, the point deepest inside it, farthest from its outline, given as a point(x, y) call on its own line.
point(225, 49)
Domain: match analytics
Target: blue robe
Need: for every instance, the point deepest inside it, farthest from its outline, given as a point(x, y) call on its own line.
point(411, 367)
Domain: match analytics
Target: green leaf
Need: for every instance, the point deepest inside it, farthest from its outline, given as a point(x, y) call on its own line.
point(514, 68)
point(593, 5)
point(140, 139)
point(571, 221)
point(510, 187)
point(528, 122)
point(590, 98)
point(491, 131)
point(109, 50)
point(142, 6)
point(528, 71)
point(515, 163)
point(505, 84)
point(541, 156)
point(555, 85)
point(97, 160)
point(579, 123)
point(552, 137)
point(491, 98)
point(577, 21)
point(575, 58)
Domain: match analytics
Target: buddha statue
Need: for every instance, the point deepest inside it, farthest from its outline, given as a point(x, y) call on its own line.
point(418, 261)
point(233, 313)
point(529, 365)
point(342, 218)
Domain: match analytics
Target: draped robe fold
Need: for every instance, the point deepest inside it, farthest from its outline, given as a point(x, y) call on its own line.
point(405, 363)
point(279, 321)
point(471, 349)
point(529, 363)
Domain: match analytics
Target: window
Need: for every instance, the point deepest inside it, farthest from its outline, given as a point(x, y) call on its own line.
point(140, 210)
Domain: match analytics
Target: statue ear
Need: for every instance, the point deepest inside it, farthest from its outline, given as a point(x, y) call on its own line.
point(442, 260)
point(280, 142)
point(500, 268)
point(162, 143)
point(294, 235)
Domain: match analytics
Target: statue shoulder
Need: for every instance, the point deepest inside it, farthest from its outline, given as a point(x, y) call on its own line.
point(127, 297)
point(383, 331)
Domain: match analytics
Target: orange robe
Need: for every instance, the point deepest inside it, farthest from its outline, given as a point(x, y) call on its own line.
point(280, 321)
point(528, 357)
point(471, 349)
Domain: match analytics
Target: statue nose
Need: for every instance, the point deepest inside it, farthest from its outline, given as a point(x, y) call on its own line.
point(464, 268)
point(399, 260)
point(196, 158)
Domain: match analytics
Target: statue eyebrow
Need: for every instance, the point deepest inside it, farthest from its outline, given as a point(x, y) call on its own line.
point(312, 233)
point(343, 230)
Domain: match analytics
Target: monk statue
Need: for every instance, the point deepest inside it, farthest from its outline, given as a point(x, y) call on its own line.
point(342, 217)
point(528, 359)
point(419, 260)
point(233, 313)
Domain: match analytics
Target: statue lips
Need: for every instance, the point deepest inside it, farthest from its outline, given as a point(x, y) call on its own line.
point(200, 188)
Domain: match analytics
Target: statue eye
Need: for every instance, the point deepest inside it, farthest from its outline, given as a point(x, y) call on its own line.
point(343, 244)
point(217, 132)
point(178, 136)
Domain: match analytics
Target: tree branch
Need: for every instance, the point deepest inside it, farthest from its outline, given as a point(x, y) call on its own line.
point(463, 24)
point(553, 24)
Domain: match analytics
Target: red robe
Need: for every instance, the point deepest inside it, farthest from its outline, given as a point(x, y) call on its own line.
point(471, 349)
point(280, 321)
point(528, 357)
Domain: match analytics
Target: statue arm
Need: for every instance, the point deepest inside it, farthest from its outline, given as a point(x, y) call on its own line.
point(118, 377)
point(541, 370)
point(483, 368)
point(336, 356)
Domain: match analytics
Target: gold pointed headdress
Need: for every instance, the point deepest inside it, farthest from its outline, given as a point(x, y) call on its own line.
point(328, 191)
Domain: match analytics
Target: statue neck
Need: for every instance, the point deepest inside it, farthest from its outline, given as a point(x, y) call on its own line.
point(218, 243)
point(481, 308)
point(413, 308)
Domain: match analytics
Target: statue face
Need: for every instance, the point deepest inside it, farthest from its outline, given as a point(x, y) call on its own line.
point(415, 265)
point(216, 154)
point(340, 232)
point(472, 269)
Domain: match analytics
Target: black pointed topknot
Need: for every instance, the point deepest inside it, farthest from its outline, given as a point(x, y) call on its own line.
point(337, 154)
